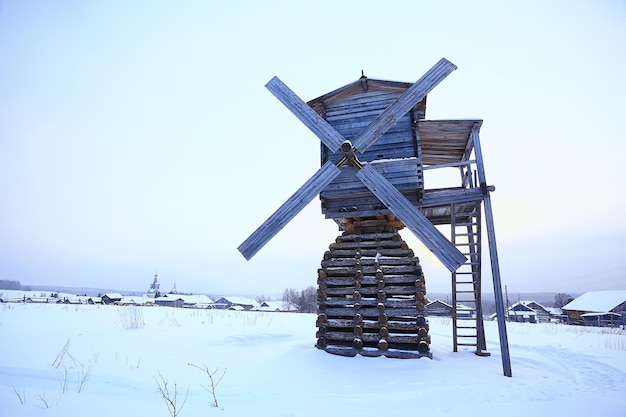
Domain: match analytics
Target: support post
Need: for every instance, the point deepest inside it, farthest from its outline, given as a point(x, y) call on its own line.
point(493, 256)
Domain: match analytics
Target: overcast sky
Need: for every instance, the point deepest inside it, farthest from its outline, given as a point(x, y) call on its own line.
point(137, 136)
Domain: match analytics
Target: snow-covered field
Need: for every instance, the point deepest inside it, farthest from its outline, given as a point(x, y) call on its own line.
point(95, 360)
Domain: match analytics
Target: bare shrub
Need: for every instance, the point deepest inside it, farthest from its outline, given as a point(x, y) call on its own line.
point(21, 394)
point(214, 381)
point(83, 376)
point(131, 317)
point(46, 402)
point(68, 362)
point(170, 397)
point(64, 378)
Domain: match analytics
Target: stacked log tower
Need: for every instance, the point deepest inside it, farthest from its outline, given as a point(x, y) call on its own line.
point(371, 293)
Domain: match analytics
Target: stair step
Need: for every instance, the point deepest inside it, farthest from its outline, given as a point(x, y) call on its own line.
point(467, 344)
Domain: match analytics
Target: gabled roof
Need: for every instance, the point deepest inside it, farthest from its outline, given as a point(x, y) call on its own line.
point(361, 85)
point(196, 299)
point(241, 300)
point(524, 308)
point(533, 305)
point(438, 302)
point(597, 301)
point(278, 306)
point(364, 85)
point(113, 295)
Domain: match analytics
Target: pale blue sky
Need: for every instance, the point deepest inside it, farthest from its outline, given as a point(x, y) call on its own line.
point(137, 136)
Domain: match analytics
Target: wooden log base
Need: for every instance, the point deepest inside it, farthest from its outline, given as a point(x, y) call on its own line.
point(375, 352)
point(371, 293)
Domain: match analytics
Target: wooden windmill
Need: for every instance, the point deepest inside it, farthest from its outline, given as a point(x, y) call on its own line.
point(376, 147)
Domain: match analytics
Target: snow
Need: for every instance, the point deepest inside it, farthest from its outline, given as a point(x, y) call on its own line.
point(597, 301)
point(109, 359)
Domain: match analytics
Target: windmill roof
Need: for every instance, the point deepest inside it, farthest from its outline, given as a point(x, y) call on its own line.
point(597, 301)
point(356, 86)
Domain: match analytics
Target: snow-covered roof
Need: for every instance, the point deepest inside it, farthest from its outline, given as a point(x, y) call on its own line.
point(523, 304)
point(241, 301)
point(439, 302)
point(597, 301)
point(555, 311)
point(113, 295)
point(528, 303)
point(600, 314)
point(196, 299)
point(278, 306)
point(169, 297)
point(135, 299)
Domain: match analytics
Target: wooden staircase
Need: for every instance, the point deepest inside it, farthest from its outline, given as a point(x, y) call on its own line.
point(467, 320)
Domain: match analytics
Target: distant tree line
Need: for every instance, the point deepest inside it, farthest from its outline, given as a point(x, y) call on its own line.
point(9, 284)
point(305, 300)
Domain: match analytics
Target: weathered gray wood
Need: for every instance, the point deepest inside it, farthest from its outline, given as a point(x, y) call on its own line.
point(369, 312)
point(415, 221)
point(351, 237)
point(451, 196)
point(493, 255)
point(371, 337)
point(384, 244)
point(325, 132)
point(370, 302)
point(407, 279)
point(371, 270)
point(400, 326)
point(445, 141)
point(403, 104)
point(369, 262)
point(288, 210)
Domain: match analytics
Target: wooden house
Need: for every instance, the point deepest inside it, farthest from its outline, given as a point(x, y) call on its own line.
point(237, 303)
point(196, 301)
point(438, 308)
point(542, 314)
point(111, 298)
point(521, 313)
point(173, 300)
point(278, 306)
point(598, 308)
point(529, 312)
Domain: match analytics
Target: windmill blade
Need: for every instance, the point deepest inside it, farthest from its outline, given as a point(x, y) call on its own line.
point(299, 200)
point(417, 223)
point(325, 132)
point(403, 104)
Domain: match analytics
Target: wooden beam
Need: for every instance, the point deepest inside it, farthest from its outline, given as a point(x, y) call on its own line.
point(299, 200)
point(324, 131)
point(493, 256)
point(415, 221)
point(450, 164)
